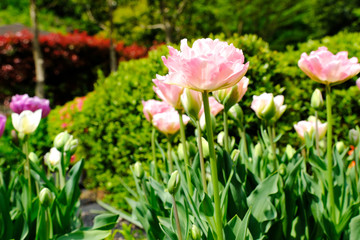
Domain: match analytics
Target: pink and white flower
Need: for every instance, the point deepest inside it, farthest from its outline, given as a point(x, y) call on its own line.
point(324, 67)
point(209, 65)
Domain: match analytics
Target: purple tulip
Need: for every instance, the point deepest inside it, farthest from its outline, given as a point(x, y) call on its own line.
point(2, 124)
point(20, 103)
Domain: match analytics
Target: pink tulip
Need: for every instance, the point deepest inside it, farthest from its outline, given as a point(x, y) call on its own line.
point(168, 93)
point(21, 103)
point(358, 83)
point(324, 67)
point(215, 107)
point(168, 122)
point(152, 107)
point(308, 127)
point(209, 65)
point(2, 124)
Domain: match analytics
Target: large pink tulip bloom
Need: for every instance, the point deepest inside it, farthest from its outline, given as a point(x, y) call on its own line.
point(2, 124)
point(324, 67)
point(167, 92)
point(209, 65)
point(168, 122)
point(308, 127)
point(152, 107)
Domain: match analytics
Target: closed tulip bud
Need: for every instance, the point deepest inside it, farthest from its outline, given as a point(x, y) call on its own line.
point(195, 232)
point(258, 150)
point(220, 138)
point(53, 158)
point(340, 146)
point(317, 100)
point(45, 197)
point(205, 147)
point(192, 102)
point(174, 183)
point(235, 154)
point(34, 158)
point(290, 151)
point(138, 170)
point(354, 137)
point(232, 95)
point(61, 139)
point(264, 106)
point(282, 169)
point(237, 114)
point(203, 122)
point(71, 145)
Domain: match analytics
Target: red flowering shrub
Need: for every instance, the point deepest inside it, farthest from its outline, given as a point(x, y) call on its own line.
point(71, 63)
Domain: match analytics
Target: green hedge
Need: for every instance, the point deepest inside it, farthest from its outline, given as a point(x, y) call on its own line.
point(114, 133)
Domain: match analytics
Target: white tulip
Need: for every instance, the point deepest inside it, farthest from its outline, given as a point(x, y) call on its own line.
point(53, 157)
point(27, 121)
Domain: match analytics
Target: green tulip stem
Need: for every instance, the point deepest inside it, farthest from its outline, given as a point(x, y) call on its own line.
point(27, 167)
point(62, 171)
point(226, 132)
point(271, 133)
point(243, 136)
point(213, 164)
point(50, 224)
point(201, 156)
point(329, 154)
point(153, 135)
point(170, 162)
point(177, 218)
point(356, 167)
point(186, 157)
point(317, 133)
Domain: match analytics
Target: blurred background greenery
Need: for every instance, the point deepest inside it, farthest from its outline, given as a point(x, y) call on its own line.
point(278, 22)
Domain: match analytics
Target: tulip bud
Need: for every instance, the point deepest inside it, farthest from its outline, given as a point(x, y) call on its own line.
point(269, 111)
point(191, 101)
point(61, 139)
point(203, 122)
point(236, 113)
point(195, 232)
point(282, 169)
point(220, 138)
point(340, 146)
point(174, 183)
point(205, 147)
point(53, 158)
point(235, 154)
point(354, 137)
point(258, 150)
point(45, 197)
point(317, 100)
point(290, 151)
point(138, 170)
point(71, 144)
point(34, 158)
